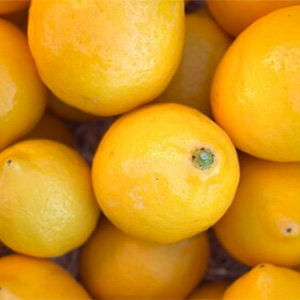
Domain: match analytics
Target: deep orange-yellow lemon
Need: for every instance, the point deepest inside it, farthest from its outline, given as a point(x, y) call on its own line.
point(205, 44)
point(114, 265)
point(210, 291)
point(66, 111)
point(265, 282)
point(263, 222)
point(256, 93)
point(47, 202)
point(52, 128)
point(106, 57)
point(165, 172)
point(10, 6)
point(22, 93)
point(236, 15)
point(23, 277)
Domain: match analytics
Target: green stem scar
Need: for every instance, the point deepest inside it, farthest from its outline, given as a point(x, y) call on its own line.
point(203, 158)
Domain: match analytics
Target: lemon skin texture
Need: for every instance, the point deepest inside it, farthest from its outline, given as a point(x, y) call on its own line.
point(205, 45)
point(255, 91)
point(148, 177)
point(66, 111)
point(141, 269)
point(11, 6)
point(22, 94)
point(262, 224)
point(52, 128)
point(106, 57)
point(265, 282)
point(234, 16)
point(48, 205)
point(210, 291)
point(23, 277)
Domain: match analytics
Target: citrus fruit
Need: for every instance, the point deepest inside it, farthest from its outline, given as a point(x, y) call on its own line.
point(48, 205)
point(263, 223)
point(255, 91)
point(165, 172)
point(22, 277)
point(205, 44)
point(266, 282)
point(210, 291)
point(66, 111)
point(114, 265)
point(106, 57)
point(19, 18)
point(10, 6)
point(52, 128)
point(22, 93)
point(236, 15)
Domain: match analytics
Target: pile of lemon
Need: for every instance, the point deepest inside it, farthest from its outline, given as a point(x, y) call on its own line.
point(221, 78)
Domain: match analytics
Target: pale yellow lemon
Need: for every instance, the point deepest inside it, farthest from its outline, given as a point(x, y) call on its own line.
point(265, 282)
point(46, 197)
point(22, 277)
point(22, 93)
point(114, 265)
point(165, 172)
point(106, 57)
point(205, 44)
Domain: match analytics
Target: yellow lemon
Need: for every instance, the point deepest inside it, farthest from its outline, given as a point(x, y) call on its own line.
point(52, 128)
point(22, 93)
point(10, 6)
point(22, 277)
point(47, 202)
point(106, 57)
point(210, 291)
point(265, 282)
point(205, 44)
point(165, 172)
point(236, 15)
point(114, 265)
point(66, 111)
point(255, 91)
point(263, 223)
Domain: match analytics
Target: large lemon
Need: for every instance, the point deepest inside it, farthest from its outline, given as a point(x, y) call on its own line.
point(106, 57)
point(165, 172)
